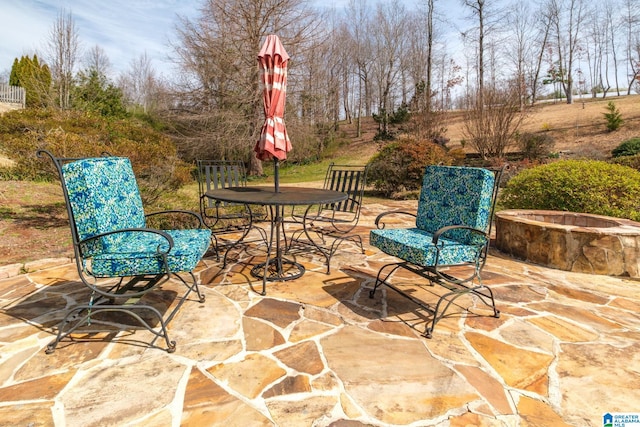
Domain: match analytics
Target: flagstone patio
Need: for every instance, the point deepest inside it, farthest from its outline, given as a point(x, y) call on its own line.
point(317, 351)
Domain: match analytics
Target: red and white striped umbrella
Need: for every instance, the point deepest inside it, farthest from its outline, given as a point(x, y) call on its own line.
point(274, 142)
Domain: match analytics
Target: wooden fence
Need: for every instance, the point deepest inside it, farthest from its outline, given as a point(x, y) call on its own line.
point(12, 94)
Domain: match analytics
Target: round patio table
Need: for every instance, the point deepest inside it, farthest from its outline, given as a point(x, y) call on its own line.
point(276, 268)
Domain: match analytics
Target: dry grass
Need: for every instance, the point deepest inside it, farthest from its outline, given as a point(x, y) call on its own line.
point(578, 129)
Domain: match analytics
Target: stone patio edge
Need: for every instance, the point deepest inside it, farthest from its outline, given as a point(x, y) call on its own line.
point(12, 270)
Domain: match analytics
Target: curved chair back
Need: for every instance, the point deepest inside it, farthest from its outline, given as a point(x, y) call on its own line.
point(103, 197)
point(453, 195)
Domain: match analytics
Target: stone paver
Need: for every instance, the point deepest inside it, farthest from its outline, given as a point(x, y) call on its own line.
point(317, 351)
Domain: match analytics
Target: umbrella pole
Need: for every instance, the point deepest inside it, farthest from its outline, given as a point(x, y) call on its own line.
point(276, 168)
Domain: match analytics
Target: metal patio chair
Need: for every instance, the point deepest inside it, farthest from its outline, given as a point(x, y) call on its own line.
point(118, 256)
point(226, 219)
point(452, 228)
point(327, 226)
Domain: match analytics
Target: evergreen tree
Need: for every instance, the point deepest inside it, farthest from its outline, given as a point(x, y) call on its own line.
point(613, 117)
point(34, 78)
point(93, 92)
point(14, 80)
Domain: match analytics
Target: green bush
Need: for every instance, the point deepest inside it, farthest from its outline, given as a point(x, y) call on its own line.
point(585, 186)
point(535, 146)
point(630, 147)
point(94, 93)
point(629, 161)
point(613, 117)
point(80, 134)
point(399, 166)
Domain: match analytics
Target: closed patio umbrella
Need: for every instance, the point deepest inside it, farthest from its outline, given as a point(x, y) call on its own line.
point(274, 142)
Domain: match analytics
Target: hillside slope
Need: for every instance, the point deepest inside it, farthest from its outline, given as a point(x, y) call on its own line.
point(578, 129)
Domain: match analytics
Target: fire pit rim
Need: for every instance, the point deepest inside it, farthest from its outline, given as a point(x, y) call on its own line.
point(570, 241)
point(570, 220)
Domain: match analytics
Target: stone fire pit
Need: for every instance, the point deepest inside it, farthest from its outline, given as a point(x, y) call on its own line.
point(571, 241)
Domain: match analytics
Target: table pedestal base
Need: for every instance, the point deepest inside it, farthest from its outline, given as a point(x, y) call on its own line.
point(278, 270)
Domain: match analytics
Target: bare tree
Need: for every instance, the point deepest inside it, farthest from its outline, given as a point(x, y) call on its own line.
point(478, 11)
point(389, 46)
point(596, 45)
point(429, 62)
point(568, 17)
point(218, 108)
point(63, 52)
point(334, 61)
point(448, 75)
point(631, 22)
point(345, 46)
point(492, 130)
point(614, 30)
point(543, 24)
point(418, 60)
point(526, 40)
point(96, 59)
point(140, 83)
point(358, 20)
point(316, 81)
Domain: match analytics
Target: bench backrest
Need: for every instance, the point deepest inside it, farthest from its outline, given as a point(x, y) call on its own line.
point(218, 174)
point(350, 179)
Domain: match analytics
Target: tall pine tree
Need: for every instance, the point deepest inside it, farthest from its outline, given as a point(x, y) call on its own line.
point(34, 78)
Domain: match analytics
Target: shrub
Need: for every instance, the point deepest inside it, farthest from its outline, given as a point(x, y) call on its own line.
point(382, 136)
point(629, 161)
point(399, 166)
point(493, 120)
point(630, 147)
point(535, 146)
point(35, 77)
point(613, 117)
point(586, 186)
point(95, 94)
point(401, 115)
point(80, 134)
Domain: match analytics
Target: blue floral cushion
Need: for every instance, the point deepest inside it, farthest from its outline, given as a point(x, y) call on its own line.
point(136, 254)
point(104, 197)
point(415, 245)
point(453, 195)
point(449, 196)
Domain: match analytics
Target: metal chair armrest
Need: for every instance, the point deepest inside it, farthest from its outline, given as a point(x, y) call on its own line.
point(480, 253)
point(443, 230)
point(384, 214)
point(129, 230)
